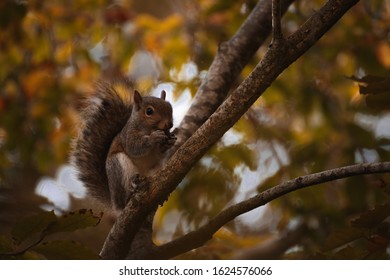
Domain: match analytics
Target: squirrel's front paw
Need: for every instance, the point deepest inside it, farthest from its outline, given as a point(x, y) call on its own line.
point(163, 139)
point(171, 136)
point(169, 142)
point(158, 137)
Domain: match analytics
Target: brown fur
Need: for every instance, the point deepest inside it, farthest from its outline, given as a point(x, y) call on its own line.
point(119, 139)
point(91, 147)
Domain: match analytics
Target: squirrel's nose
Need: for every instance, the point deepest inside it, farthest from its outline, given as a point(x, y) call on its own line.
point(166, 125)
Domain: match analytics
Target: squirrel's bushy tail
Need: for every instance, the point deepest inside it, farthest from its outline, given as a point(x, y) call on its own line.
point(105, 114)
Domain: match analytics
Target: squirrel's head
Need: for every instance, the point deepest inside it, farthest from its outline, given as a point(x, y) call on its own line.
point(153, 112)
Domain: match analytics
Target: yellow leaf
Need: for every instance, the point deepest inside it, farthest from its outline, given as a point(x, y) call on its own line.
point(36, 81)
point(172, 22)
point(63, 52)
point(147, 22)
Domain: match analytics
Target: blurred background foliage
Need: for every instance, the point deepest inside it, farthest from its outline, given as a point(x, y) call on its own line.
point(311, 119)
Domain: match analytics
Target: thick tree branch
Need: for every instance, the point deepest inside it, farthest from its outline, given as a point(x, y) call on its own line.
point(198, 237)
point(231, 58)
point(165, 180)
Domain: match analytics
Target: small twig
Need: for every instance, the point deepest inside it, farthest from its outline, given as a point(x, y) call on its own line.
point(22, 251)
point(277, 34)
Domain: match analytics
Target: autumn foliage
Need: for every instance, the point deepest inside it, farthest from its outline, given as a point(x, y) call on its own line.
point(329, 109)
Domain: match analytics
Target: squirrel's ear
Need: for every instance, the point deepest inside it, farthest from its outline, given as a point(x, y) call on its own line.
point(137, 99)
point(163, 94)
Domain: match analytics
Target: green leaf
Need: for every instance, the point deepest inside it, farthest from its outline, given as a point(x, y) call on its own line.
point(372, 217)
point(65, 250)
point(33, 225)
point(73, 221)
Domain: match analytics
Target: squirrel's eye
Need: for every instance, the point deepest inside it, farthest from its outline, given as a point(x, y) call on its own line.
point(149, 111)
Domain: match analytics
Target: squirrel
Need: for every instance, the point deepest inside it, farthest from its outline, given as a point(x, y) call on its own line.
point(124, 135)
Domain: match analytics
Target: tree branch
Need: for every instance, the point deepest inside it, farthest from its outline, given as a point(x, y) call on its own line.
point(277, 35)
point(231, 58)
point(166, 179)
point(198, 237)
